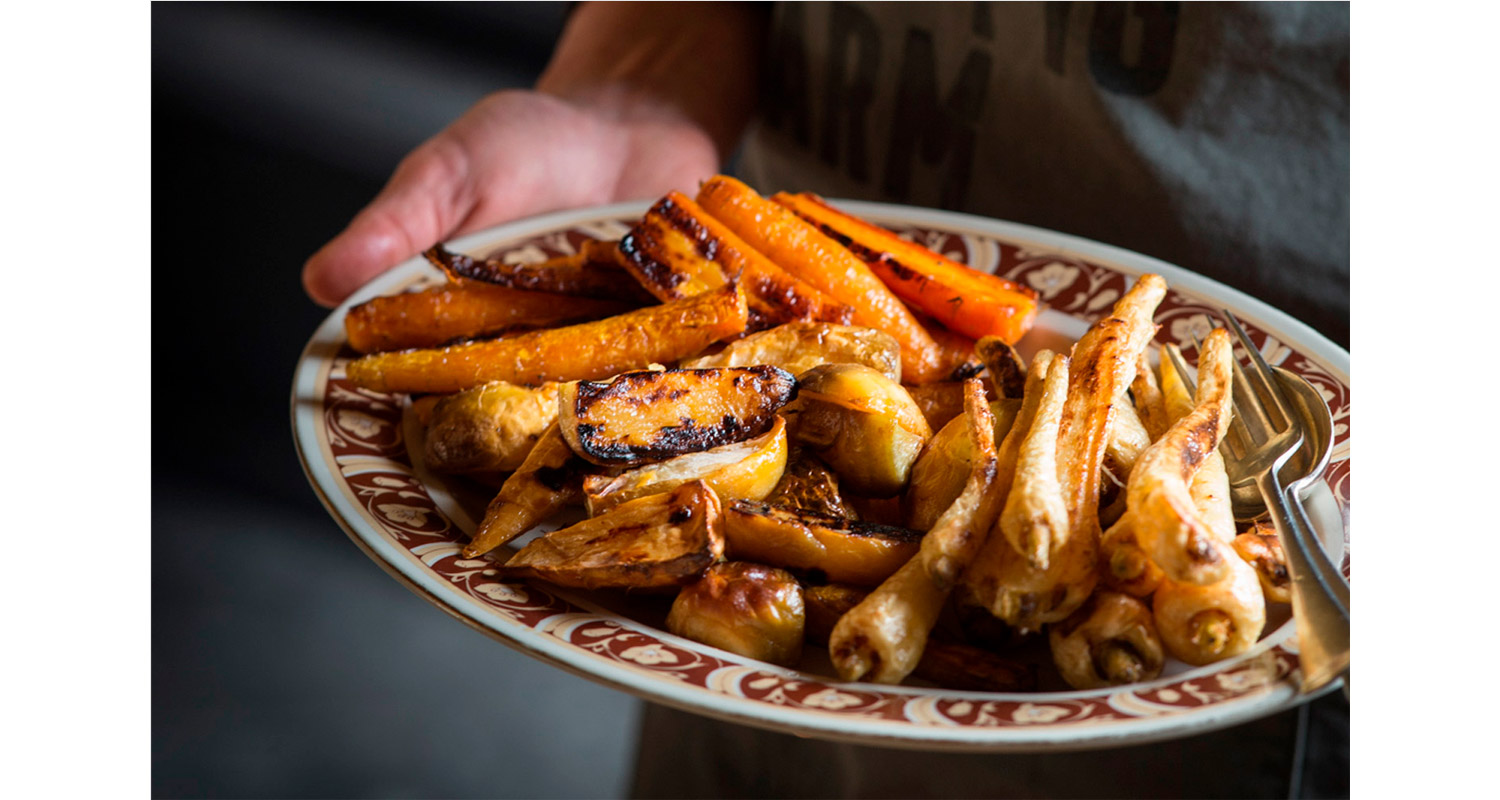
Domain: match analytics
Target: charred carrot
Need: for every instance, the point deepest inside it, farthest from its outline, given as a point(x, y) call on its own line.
point(678, 250)
point(590, 351)
point(466, 310)
point(594, 271)
point(971, 302)
point(801, 249)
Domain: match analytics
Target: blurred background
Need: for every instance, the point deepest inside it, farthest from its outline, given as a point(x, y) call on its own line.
point(284, 662)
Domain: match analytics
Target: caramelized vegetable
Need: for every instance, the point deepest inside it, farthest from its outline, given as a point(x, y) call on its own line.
point(1260, 547)
point(808, 484)
point(846, 551)
point(746, 470)
point(748, 609)
point(940, 472)
point(974, 303)
point(1007, 370)
point(1124, 566)
point(1035, 519)
point(959, 532)
point(591, 351)
point(651, 542)
point(677, 250)
point(548, 480)
point(594, 271)
point(799, 346)
point(1204, 623)
point(491, 427)
point(658, 414)
point(1110, 641)
point(802, 250)
point(862, 424)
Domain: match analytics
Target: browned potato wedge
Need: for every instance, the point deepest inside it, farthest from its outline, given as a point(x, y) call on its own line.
point(655, 415)
point(652, 542)
point(860, 553)
point(746, 470)
point(826, 604)
point(799, 346)
point(490, 427)
point(1111, 640)
point(940, 472)
point(862, 424)
point(549, 479)
point(808, 484)
point(749, 609)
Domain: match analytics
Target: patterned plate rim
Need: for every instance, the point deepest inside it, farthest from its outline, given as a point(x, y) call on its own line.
point(1259, 683)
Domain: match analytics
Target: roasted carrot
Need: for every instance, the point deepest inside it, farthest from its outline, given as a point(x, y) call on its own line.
point(678, 250)
point(594, 271)
point(464, 310)
point(590, 351)
point(974, 303)
point(799, 248)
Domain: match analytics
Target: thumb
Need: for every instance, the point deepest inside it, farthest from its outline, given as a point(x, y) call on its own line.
point(420, 206)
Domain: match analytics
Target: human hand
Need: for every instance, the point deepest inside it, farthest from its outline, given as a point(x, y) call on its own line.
point(513, 155)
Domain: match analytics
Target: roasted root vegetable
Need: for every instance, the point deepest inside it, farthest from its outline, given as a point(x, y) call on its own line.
point(940, 402)
point(677, 250)
point(590, 351)
point(1007, 369)
point(657, 414)
point(1204, 623)
point(862, 424)
point(799, 346)
point(549, 479)
point(1124, 566)
point(799, 248)
point(468, 310)
point(1260, 547)
point(749, 609)
point(974, 303)
point(1110, 641)
point(882, 639)
point(746, 470)
point(1035, 519)
point(845, 551)
point(1169, 524)
point(491, 427)
point(940, 472)
point(808, 484)
point(595, 270)
point(652, 542)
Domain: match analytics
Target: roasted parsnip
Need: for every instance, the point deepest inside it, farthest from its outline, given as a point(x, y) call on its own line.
point(491, 427)
point(940, 472)
point(1110, 640)
point(1035, 518)
point(1204, 623)
point(650, 542)
point(1124, 566)
point(845, 551)
point(746, 470)
point(1168, 522)
point(1007, 369)
point(799, 346)
point(1260, 547)
point(657, 414)
point(548, 480)
point(749, 609)
point(883, 637)
point(591, 351)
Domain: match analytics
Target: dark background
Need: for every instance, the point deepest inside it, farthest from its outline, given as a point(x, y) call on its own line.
point(284, 663)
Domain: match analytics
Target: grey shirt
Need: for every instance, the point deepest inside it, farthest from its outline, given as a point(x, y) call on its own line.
point(1212, 136)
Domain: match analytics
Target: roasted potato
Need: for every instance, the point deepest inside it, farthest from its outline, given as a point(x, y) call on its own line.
point(746, 470)
point(808, 484)
point(655, 415)
point(549, 480)
point(749, 609)
point(861, 553)
point(939, 474)
point(943, 401)
point(651, 542)
point(490, 427)
point(862, 424)
point(799, 346)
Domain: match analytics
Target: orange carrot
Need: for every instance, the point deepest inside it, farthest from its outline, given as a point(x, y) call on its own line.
point(466, 310)
point(974, 303)
point(799, 248)
point(590, 351)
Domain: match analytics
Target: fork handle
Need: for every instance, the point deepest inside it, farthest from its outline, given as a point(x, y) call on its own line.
point(1329, 575)
point(1322, 621)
